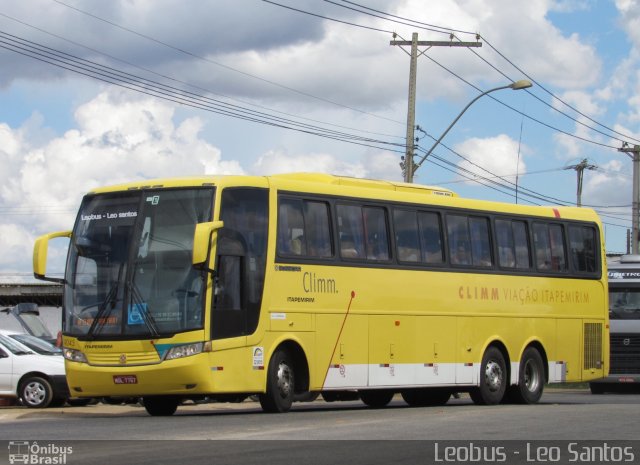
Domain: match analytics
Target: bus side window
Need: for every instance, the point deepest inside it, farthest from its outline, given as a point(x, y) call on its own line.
point(480, 243)
point(291, 240)
point(405, 225)
point(350, 231)
point(375, 223)
point(317, 221)
point(459, 243)
point(556, 239)
point(431, 235)
point(504, 239)
point(521, 243)
point(582, 245)
point(549, 245)
point(512, 244)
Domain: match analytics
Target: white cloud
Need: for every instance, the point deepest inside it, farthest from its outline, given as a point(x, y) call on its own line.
point(613, 203)
point(276, 161)
point(116, 140)
point(497, 155)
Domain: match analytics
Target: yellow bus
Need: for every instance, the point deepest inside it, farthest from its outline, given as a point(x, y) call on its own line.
point(289, 285)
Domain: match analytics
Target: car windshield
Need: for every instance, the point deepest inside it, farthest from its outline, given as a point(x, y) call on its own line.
point(35, 325)
point(624, 303)
point(13, 346)
point(129, 271)
point(37, 344)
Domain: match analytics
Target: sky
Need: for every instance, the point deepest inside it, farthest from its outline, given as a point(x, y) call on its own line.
point(94, 93)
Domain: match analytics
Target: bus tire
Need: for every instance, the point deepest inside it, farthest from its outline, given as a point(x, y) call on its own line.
point(376, 398)
point(161, 406)
point(280, 384)
point(531, 379)
point(36, 392)
point(596, 388)
point(493, 379)
point(426, 397)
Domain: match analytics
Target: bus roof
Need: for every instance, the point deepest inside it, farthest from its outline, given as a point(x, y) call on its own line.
point(357, 187)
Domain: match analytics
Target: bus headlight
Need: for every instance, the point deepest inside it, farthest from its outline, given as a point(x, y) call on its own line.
point(186, 350)
point(74, 355)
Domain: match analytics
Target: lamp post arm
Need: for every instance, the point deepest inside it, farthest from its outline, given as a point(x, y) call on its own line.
point(424, 157)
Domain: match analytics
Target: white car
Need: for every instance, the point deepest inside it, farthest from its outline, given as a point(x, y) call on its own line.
point(38, 380)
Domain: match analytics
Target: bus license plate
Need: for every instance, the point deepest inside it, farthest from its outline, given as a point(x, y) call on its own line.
point(125, 379)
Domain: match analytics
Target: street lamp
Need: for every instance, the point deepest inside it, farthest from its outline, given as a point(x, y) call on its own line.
point(517, 85)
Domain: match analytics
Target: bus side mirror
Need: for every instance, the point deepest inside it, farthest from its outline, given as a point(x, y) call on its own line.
point(40, 249)
point(202, 241)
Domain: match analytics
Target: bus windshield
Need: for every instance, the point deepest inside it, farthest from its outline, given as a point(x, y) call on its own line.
point(129, 271)
point(624, 303)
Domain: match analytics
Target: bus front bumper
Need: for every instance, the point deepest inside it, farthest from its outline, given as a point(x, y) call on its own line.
point(186, 376)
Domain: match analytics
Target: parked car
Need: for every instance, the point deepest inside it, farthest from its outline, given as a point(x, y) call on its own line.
point(25, 318)
point(38, 380)
point(39, 346)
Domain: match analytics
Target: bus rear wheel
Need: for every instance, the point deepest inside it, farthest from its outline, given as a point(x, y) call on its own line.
point(376, 398)
point(280, 384)
point(161, 406)
point(427, 397)
point(493, 379)
point(530, 379)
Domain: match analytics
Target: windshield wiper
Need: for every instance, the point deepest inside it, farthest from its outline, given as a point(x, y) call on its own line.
point(111, 298)
point(23, 352)
point(138, 301)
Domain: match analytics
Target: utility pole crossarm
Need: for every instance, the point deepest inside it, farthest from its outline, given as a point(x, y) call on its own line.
point(407, 164)
point(436, 43)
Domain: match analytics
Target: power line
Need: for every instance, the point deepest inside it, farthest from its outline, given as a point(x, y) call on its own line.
point(405, 21)
point(159, 90)
point(542, 123)
point(170, 78)
point(553, 128)
point(216, 63)
point(413, 22)
point(630, 138)
point(287, 7)
point(408, 21)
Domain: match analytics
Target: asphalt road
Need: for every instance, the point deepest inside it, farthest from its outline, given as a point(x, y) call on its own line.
point(320, 432)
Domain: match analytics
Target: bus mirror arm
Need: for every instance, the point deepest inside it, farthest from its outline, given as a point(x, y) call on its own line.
point(202, 239)
point(40, 250)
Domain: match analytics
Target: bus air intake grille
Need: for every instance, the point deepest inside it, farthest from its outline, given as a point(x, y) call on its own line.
point(124, 359)
point(625, 353)
point(592, 346)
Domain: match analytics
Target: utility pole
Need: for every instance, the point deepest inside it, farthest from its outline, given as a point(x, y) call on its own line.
point(580, 167)
point(634, 153)
point(407, 164)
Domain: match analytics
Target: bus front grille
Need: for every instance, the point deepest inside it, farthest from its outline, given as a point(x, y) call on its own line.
point(625, 353)
point(124, 359)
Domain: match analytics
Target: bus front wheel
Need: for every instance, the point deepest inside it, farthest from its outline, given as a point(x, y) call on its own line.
point(280, 384)
point(160, 406)
point(493, 379)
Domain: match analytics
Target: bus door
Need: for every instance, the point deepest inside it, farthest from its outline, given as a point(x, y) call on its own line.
point(240, 265)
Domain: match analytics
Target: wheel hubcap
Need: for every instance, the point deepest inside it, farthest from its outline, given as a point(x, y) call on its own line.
point(285, 379)
point(34, 393)
point(531, 376)
point(493, 376)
